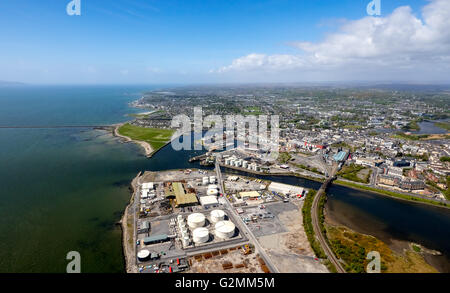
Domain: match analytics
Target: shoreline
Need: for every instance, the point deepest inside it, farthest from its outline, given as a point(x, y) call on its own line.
point(432, 257)
point(399, 197)
point(149, 151)
point(128, 250)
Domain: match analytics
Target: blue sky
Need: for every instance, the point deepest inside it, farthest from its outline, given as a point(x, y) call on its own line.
point(146, 41)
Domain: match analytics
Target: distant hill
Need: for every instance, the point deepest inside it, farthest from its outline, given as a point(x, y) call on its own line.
point(11, 83)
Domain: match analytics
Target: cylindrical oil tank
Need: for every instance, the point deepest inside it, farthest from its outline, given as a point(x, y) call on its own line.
point(212, 179)
point(196, 220)
point(212, 192)
point(143, 255)
point(225, 229)
point(200, 235)
point(213, 186)
point(217, 216)
point(186, 241)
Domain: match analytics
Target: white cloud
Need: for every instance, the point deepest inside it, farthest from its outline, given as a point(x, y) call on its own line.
point(398, 42)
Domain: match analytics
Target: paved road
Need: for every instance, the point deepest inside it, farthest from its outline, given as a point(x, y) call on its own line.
point(243, 227)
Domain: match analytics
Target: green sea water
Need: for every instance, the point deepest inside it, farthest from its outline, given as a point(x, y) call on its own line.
point(62, 190)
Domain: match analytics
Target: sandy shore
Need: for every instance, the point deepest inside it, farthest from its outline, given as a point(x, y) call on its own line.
point(127, 224)
point(147, 147)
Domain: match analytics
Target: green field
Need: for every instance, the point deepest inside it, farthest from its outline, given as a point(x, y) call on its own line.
point(156, 137)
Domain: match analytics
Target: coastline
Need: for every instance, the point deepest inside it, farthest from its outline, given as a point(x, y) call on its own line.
point(149, 151)
point(128, 240)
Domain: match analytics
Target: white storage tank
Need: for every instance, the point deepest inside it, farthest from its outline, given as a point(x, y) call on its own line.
point(244, 164)
point(205, 181)
point(186, 241)
point(212, 192)
point(143, 255)
point(212, 179)
point(225, 229)
point(201, 235)
point(217, 216)
point(196, 220)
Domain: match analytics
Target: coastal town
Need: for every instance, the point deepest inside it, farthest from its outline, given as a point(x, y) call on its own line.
point(383, 146)
point(193, 220)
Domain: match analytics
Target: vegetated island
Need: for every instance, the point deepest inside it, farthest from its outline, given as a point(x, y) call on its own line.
point(151, 139)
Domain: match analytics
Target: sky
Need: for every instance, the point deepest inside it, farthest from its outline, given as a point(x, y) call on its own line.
point(218, 41)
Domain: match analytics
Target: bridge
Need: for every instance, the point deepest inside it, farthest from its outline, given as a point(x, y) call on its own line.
point(315, 222)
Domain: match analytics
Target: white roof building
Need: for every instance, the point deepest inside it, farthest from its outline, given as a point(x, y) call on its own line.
point(208, 201)
point(285, 188)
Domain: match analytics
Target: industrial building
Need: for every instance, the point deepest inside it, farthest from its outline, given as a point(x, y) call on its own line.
point(249, 194)
point(286, 189)
point(156, 239)
point(182, 198)
point(143, 227)
point(209, 201)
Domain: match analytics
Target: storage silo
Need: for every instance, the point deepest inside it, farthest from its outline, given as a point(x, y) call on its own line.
point(205, 181)
point(212, 179)
point(143, 255)
point(186, 241)
point(225, 229)
point(217, 216)
point(196, 220)
point(244, 164)
point(212, 192)
point(201, 235)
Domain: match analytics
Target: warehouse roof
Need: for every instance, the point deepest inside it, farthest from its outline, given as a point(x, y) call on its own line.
point(182, 197)
point(208, 200)
point(156, 238)
point(251, 194)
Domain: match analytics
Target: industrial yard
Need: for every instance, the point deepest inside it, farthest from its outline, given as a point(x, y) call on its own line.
point(184, 222)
